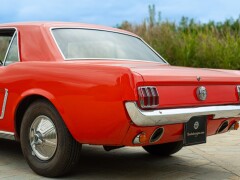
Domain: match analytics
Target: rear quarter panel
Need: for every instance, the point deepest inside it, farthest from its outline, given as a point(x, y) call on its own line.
point(90, 98)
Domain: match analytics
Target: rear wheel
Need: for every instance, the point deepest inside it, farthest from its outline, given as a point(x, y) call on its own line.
point(164, 149)
point(47, 145)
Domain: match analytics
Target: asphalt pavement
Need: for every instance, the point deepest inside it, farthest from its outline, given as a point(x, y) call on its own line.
point(218, 159)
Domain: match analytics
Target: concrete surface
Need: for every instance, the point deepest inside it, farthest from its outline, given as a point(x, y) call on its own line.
point(218, 159)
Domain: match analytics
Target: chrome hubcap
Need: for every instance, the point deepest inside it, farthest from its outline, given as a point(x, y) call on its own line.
point(43, 138)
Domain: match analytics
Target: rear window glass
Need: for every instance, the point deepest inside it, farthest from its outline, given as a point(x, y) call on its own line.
point(97, 44)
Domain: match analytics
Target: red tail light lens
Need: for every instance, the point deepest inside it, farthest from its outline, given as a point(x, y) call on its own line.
point(148, 96)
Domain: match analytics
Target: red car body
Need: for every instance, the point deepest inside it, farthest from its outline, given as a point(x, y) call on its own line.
point(91, 95)
point(91, 104)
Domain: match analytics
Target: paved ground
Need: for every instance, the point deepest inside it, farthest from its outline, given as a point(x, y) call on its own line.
point(218, 159)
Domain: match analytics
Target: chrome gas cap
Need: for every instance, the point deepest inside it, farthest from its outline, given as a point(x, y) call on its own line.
point(201, 93)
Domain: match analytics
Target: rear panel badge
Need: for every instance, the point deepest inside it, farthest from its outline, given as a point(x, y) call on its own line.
point(201, 93)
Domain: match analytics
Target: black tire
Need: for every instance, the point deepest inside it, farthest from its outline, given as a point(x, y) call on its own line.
point(67, 150)
point(166, 149)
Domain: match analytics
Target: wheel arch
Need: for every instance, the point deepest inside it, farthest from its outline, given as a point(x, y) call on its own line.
point(27, 98)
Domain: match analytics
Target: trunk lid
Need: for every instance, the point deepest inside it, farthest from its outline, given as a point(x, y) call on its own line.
point(177, 86)
point(166, 73)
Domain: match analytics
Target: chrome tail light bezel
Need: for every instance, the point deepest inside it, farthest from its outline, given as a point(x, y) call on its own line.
point(149, 94)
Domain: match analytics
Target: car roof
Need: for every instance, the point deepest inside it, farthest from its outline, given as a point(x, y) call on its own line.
point(53, 24)
point(36, 42)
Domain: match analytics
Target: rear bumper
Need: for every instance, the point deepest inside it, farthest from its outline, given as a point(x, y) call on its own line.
point(179, 115)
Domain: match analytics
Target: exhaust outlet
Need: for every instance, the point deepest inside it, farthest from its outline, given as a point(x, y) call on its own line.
point(157, 135)
point(234, 126)
point(223, 127)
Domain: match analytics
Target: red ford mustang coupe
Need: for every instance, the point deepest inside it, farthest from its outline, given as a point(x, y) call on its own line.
point(68, 84)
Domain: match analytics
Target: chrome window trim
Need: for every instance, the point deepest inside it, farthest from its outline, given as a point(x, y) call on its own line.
point(5, 57)
point(7, 135)
point(4, 104)
point(102, 29)
point(15, 34)
point(179, 115)
point(153, 51)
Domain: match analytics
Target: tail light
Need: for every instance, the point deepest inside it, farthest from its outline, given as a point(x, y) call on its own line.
point(148, 96)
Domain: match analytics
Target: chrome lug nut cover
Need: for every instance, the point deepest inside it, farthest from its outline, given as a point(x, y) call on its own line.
point(43, 138)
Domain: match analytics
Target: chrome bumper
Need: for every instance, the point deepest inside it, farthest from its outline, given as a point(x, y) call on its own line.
point(179, 115)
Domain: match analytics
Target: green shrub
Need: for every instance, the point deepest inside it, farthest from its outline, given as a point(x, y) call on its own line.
point(211, 45)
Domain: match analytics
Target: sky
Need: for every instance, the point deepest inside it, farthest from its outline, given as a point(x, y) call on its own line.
point(113, 12)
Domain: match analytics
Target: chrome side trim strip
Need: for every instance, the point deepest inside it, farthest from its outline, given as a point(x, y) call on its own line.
point(180, 115)
point(4, 104)
point(238, 91)
point(7, 135)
